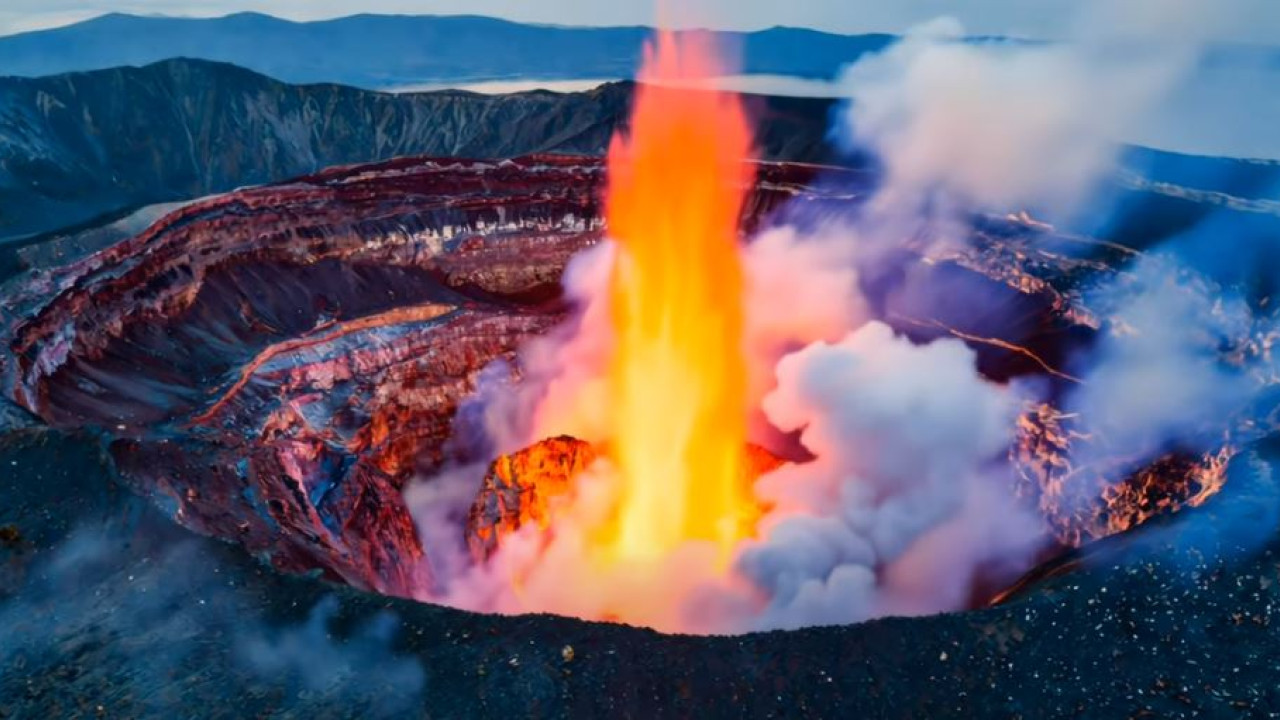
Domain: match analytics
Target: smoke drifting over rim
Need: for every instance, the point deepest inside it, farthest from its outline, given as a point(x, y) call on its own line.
point(965, 126)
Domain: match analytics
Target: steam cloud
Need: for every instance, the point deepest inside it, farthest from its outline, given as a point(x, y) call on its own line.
point(907, 439)
point(963, 126)
point(907, 500)
point(902, 436)
point(1160, 377)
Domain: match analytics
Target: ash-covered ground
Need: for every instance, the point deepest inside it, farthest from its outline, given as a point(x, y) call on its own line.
point(110, 610)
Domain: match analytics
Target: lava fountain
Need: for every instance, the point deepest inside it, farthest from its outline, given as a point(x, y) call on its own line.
point(654, 509)
point(677, 378)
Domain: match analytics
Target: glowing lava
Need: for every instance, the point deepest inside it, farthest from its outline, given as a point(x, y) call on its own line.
point(677, 379)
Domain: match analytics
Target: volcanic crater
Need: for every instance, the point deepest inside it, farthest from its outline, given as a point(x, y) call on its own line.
point(274, 366)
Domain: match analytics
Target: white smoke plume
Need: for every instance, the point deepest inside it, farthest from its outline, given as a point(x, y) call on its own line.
point(1161, 374)
point(903, 436)
point(567, 365)
point(802, 288)
point(963, 128)
point(907, 441)
point(814, 272)
point(966, 126)
point(562, 392)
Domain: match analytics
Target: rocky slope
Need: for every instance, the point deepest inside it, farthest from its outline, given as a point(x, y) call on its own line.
point(78, 146)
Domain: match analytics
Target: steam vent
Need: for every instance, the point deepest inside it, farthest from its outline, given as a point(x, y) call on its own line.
point(651, 400)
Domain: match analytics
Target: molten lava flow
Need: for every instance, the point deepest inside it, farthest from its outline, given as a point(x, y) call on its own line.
point(678, 378)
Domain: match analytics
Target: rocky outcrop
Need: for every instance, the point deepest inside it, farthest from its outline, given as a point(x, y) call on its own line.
point(519, 488)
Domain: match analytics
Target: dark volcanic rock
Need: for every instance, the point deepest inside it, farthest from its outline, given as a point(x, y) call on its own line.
point(81, 145)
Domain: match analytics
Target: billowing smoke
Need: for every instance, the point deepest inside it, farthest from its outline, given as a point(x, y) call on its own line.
point(561, 391)
point(908, 442)
point(963, 126)
point(566, 365)
point(905, 501)
point(815, 272)
point(903, 437)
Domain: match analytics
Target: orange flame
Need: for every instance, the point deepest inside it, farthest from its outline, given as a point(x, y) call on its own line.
point(677, 379)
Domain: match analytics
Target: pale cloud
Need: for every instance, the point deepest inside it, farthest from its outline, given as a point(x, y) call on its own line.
point(16, 22)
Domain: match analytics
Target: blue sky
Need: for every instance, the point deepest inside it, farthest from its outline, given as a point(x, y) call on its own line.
point(1244, 20)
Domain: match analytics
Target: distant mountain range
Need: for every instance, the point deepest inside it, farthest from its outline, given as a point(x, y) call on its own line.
point(379, 51)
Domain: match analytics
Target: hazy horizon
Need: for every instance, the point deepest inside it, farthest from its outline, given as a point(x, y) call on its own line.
point(1250, 21)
